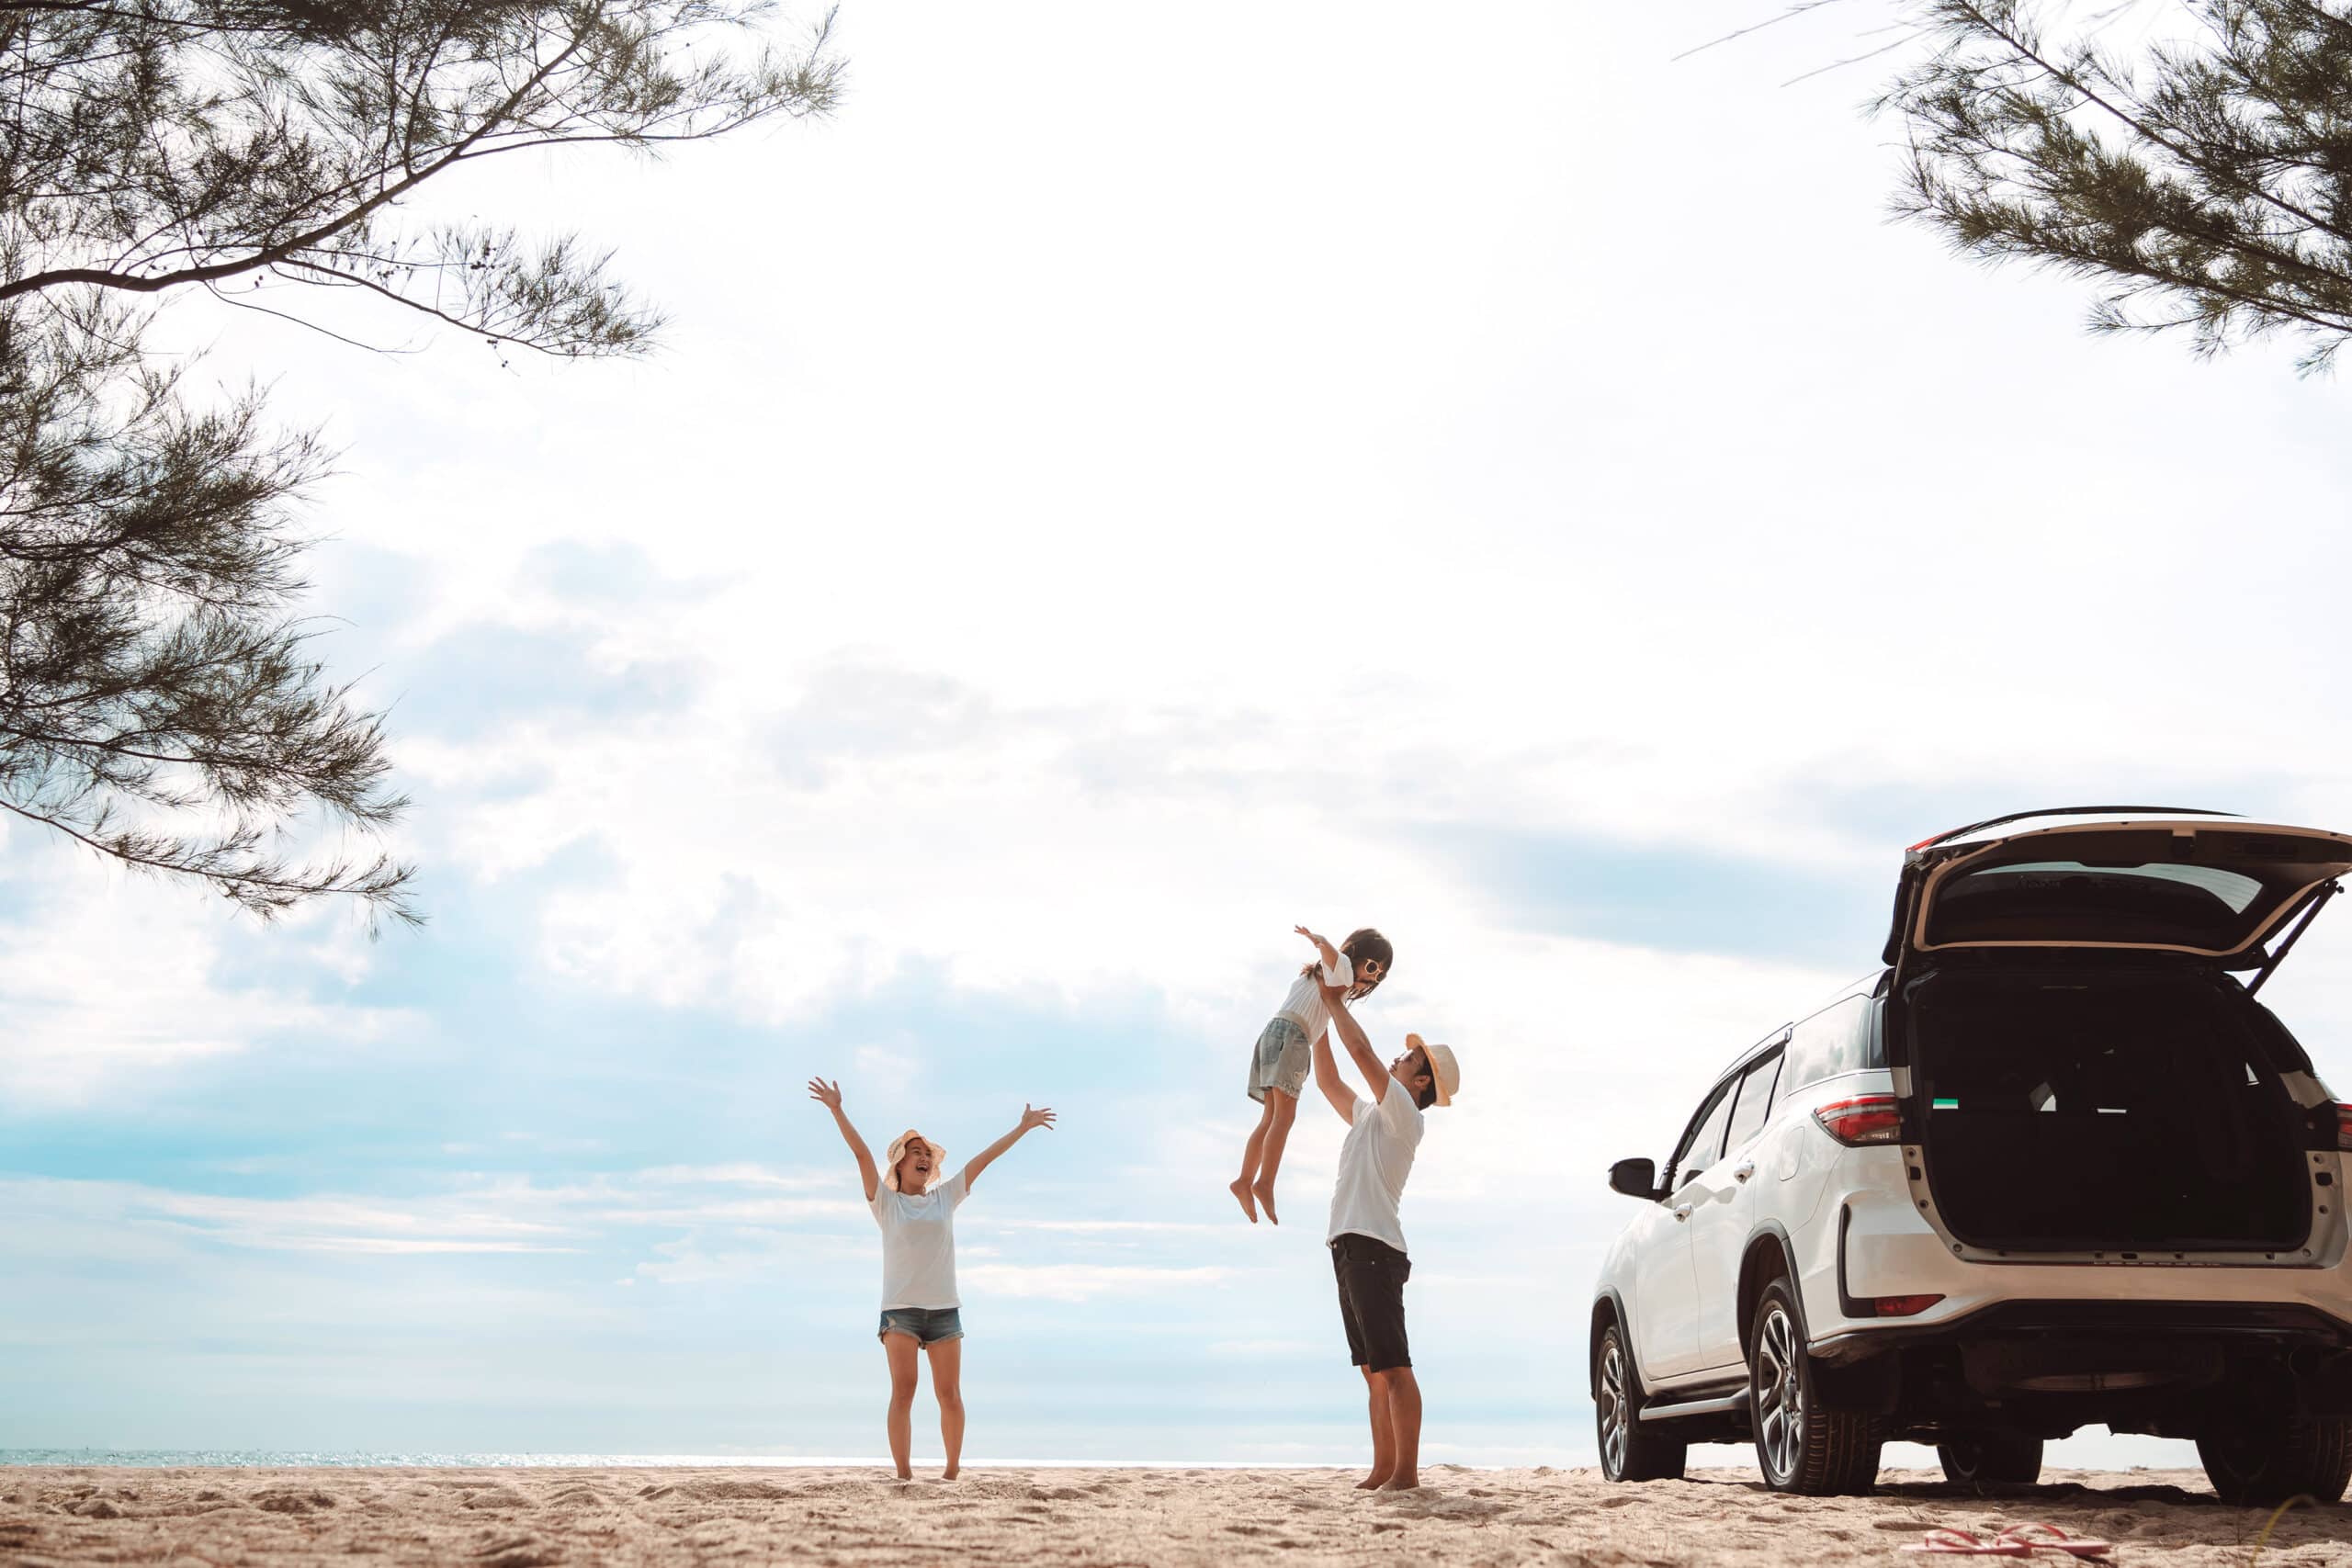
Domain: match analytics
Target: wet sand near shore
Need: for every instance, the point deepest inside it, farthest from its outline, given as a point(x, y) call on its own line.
point(1097, 1519)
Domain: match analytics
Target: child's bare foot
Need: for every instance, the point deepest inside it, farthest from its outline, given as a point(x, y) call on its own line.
point(1265, 1193)
point(1239, 1188)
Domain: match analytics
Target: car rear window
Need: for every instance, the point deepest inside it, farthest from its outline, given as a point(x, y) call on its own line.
point(1838, 1039)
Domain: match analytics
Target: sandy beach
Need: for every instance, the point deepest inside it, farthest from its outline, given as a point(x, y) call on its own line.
point(524, 1519)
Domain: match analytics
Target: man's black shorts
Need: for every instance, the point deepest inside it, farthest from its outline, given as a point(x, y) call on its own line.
point(1372, 1301)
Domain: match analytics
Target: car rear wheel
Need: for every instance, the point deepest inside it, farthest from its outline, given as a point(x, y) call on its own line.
point(1627, 1452)
point(2266, 1462)
point(1801, 1445)
point(1981, 1459)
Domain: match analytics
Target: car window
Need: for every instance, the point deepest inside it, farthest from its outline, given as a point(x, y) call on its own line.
point(1705, 1146)
point(1755, 1101)
point(1839, 1038)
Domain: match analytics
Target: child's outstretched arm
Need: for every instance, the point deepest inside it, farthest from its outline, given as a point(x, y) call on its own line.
point(830, 1097)
point(1327, 1079)
point(1337, 971)
point(1352, 1035)
point(1041, 1116)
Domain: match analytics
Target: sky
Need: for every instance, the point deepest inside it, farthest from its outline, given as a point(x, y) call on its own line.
point(1133, 480)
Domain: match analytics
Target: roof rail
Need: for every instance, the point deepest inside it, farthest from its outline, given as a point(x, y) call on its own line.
point(2065, 811)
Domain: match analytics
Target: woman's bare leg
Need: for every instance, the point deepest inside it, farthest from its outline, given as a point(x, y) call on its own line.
point(1250, 1154)
point(1281, 1110)
point(900, 1349)
point(947, 1386)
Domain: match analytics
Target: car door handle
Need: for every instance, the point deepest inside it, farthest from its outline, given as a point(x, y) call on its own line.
point(1745, 1169)
point(1682, 1210)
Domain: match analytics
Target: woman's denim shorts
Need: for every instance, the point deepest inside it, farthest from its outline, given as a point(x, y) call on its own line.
point(930, 1325)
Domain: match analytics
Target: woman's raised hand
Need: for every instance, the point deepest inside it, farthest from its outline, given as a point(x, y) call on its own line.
point(1042, 1116)
point(828, 1095)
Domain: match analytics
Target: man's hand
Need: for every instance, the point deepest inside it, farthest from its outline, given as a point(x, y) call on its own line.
point(1043, 1116)
point(825, 1094)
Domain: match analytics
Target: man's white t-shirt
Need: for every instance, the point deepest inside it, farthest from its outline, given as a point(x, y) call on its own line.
point(1374, 1160)
point(919, 1244)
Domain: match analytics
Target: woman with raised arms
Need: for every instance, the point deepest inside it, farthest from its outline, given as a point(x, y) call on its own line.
point(920, 1310)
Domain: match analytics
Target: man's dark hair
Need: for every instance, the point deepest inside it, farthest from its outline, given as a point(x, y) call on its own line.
point(1426, 1096)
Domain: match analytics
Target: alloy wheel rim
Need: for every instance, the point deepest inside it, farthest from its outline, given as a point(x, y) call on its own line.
point(1779, 1395)
point(1616, 1420)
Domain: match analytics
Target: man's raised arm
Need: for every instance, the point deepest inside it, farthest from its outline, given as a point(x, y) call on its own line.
point(1376, 1073)
point(1327, 1079)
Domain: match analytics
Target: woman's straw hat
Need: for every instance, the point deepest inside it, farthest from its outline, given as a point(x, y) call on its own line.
point(898, 1148)
point(1443, 1069)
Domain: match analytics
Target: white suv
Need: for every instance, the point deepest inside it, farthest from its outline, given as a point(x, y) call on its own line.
point(2054, 1167)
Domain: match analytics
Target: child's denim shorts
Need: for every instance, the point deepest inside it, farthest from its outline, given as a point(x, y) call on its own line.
point(1280, 1059)
point(930, 1325)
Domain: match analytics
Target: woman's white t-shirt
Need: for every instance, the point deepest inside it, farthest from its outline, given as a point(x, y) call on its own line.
point(919, 1244)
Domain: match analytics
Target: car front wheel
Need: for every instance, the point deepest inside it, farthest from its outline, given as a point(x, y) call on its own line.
point(2266, 1462)
point(1627, 1452)
point(1984, 1458)
point(1801, 1445)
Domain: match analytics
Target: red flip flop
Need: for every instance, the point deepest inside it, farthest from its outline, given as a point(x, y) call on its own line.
point(1960, 1543)
point(2050, 1538)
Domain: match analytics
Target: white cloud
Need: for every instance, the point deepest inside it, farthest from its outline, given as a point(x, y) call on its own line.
point(1085, 1282)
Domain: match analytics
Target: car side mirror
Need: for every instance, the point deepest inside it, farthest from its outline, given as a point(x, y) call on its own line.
point(1635, 1177)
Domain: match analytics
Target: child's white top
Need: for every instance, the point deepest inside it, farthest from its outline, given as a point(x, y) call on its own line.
point(1305, 1007)
point(919, 1244)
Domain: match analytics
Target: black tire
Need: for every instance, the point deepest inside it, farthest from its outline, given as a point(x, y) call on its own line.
point(1628, 1452)
point(2263, 1462)
point(1800, 1446)
point(1990, 1459)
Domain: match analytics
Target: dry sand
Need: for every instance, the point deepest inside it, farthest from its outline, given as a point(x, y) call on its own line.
point(522, 1518)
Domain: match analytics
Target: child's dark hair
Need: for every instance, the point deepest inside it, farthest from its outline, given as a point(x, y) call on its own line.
point(1363, 946)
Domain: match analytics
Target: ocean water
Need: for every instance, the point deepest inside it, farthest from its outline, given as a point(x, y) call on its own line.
point(274, 1458)
point(159, 1459)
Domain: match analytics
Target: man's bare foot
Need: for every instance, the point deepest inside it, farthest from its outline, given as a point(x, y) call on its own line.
point(1402, 1483)
point(1265, 1193)
point(1239, 1188)
point(1372, 1482)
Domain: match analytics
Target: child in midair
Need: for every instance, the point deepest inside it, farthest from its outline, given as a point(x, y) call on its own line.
point(1279, 1065)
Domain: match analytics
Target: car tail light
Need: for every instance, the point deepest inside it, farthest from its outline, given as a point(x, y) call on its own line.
point(1865, 1119)
point(2344, 1126)
point(1904, 1306)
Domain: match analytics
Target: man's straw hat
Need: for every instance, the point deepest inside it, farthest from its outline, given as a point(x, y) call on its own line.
point(898, 1151)
point(1444, 1068)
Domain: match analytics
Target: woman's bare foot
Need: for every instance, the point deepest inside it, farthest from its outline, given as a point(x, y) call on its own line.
point(1402, 1483)
point(1372, 1482)
point(949, 1474)
point(1265, 1194)
point(1239, 1188)
point(906, 1475)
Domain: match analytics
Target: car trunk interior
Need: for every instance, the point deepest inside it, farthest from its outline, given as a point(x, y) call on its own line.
point(2135, 1110)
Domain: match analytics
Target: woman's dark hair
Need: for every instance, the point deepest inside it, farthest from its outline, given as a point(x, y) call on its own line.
point(1362, 945)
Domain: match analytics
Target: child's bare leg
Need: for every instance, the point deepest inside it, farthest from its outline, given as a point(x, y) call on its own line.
point(1281, 1110)
point(1250, 1154)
